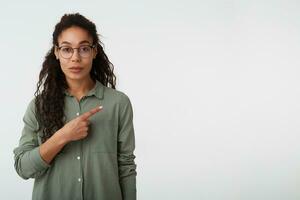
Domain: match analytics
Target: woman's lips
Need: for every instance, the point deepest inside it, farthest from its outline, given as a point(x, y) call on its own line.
point(75, 69)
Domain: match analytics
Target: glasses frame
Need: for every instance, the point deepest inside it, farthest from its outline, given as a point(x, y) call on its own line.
point(73, 49)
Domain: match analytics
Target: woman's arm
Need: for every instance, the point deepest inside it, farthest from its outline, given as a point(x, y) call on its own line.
point(126, 146)
point(32, 159)
point(52, 146)
point(76, 129)
point(28, 160)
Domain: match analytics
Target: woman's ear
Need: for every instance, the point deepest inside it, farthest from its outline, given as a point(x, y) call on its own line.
point(95, 53)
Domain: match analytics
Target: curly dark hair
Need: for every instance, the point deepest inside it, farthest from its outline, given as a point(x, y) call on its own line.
point(49, 102)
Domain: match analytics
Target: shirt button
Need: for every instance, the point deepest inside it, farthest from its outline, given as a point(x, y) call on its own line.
point(78, 157)
point(77, 114)
point(79, 179)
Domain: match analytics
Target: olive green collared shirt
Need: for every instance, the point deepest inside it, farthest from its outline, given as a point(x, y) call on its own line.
point(98, 167)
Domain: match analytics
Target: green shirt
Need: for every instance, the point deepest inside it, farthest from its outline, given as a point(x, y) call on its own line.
point(98, 167)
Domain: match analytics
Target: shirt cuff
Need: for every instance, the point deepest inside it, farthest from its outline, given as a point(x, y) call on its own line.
point(37, 159)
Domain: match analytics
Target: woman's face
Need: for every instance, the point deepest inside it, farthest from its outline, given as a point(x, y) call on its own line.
point(75, 63)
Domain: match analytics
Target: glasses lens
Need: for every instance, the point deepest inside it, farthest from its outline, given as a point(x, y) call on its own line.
point(66, 52)
point(85, 51)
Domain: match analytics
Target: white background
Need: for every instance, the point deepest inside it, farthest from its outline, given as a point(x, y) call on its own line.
point(214, 86)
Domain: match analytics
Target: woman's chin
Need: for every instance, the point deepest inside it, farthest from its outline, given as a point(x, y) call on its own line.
point(76, 76)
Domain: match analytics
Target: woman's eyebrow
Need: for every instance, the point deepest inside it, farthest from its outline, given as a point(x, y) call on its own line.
point(84, 41)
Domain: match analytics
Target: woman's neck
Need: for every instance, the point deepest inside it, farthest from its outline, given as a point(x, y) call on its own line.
point(80, 87)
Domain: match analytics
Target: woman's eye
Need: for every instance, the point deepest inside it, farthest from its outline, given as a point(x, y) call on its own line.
point(85, 48)
point(66, 49)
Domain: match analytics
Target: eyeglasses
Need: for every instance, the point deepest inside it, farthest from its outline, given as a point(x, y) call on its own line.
point(84, 51)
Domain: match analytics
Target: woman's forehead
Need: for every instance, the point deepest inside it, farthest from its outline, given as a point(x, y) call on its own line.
point(74, 36)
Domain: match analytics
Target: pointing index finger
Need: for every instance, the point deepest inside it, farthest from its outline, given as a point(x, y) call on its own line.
point(88, 114)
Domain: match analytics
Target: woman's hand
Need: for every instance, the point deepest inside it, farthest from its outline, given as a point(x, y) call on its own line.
point(77, 128)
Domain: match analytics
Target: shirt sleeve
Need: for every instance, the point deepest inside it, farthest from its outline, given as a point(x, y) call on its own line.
point(28, 161)
point(126, 146)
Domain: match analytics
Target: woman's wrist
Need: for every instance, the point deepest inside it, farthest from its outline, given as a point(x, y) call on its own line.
point(61, 137)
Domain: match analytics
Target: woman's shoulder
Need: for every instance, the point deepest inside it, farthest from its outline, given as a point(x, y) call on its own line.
point(115, 94)
point(31, 104)
point(30, 117)
point(30, 110)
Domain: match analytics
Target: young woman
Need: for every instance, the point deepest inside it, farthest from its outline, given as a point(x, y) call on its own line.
point(78, 136)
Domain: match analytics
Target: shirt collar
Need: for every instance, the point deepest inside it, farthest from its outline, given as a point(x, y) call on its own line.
point(97, 90)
